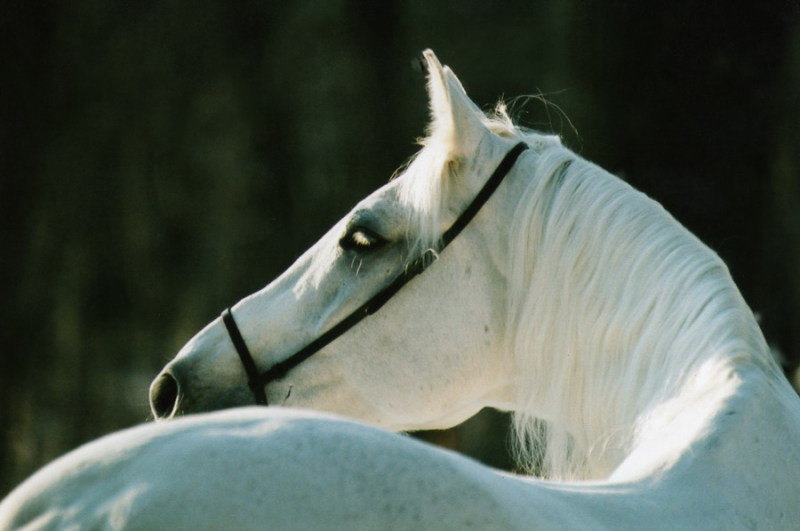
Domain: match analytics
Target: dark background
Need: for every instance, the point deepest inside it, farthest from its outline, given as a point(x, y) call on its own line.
point(160, 160)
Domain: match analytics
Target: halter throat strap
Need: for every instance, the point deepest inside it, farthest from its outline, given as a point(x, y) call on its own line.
point(257, 380)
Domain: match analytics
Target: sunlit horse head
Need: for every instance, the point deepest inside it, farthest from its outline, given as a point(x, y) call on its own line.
point(570, 298)
point(437, 351)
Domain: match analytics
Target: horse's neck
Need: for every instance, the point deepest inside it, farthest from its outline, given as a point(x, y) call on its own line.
point(628, 325)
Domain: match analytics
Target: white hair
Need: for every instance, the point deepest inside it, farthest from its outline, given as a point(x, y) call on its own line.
point(425, 179)
point(613, 305)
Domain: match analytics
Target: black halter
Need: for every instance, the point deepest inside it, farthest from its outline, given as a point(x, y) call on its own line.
point(257, 381)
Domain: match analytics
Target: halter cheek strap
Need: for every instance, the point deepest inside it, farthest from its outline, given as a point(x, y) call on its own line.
point(257, 381)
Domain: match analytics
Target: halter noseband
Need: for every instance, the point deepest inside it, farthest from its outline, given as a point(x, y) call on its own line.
point(257, 381)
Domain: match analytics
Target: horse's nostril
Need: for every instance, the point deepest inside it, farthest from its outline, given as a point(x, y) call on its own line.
point(164, 396)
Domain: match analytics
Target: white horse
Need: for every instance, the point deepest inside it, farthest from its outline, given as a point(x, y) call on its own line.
point(641, 386)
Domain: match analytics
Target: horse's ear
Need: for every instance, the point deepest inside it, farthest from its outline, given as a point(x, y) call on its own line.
point(455, 120)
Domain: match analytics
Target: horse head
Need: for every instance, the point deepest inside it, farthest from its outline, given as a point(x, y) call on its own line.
point(434, 354)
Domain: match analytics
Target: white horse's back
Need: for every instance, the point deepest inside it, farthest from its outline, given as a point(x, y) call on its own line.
point(254, 469)
point(259, 468)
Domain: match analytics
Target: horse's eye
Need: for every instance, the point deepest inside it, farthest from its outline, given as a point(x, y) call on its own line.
point(361, 239)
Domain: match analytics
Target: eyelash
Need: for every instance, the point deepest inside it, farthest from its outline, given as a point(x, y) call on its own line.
point(361, 239)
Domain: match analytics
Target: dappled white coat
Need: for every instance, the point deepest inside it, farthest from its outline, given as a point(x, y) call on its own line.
point(570, 298)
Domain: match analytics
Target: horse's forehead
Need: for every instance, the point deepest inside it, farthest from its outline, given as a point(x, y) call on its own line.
point(382, 202)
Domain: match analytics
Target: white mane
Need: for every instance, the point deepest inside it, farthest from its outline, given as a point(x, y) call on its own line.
point(607, 292)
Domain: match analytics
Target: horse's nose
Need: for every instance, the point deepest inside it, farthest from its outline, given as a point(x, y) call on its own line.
point(164, 395)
